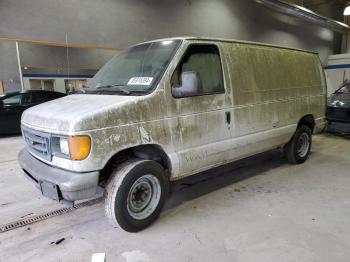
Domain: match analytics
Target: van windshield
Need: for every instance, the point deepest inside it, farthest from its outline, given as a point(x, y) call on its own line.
point(135, 70)
point(345, 89)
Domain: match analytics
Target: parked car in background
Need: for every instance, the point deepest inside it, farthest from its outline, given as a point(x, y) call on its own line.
point(12, 106)
point(338, 110)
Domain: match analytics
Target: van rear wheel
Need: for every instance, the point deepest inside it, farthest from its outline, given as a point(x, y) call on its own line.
point(136, 193)
point(298, 148)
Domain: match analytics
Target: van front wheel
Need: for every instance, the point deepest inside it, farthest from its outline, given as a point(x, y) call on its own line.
point(136, 192)
point(298, 148)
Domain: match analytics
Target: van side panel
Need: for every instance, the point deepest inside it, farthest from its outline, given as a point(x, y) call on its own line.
point(273, 88)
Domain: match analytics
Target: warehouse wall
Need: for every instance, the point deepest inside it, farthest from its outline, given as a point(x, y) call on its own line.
point(56, 60)
point(119, 23)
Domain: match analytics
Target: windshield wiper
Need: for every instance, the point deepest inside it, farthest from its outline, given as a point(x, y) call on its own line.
point(118, 87)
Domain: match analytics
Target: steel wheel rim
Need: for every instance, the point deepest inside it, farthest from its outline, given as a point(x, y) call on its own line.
point(303, 145)
point(143, 197)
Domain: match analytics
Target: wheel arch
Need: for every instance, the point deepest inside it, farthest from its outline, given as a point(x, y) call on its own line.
point(307, 120)
point(147, 152)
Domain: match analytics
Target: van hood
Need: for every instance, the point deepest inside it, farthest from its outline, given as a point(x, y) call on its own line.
point(74, 112)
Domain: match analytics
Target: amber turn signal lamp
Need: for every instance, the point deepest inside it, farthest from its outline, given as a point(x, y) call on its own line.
point(79, 147)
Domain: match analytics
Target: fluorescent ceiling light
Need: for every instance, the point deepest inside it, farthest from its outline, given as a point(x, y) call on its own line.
point(305, 9)
point(347, 10)
point(167, 42)
point(304, 13)
point(342, 24)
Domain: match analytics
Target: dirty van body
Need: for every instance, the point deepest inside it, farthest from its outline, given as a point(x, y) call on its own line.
point(166, 109)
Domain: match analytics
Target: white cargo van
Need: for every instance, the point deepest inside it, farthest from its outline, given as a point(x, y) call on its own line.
point(166, 109)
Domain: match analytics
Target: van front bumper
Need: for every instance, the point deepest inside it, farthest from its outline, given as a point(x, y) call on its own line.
point(56, 183)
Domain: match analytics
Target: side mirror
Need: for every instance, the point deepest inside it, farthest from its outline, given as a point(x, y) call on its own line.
point(1, 103)
point(190, 85)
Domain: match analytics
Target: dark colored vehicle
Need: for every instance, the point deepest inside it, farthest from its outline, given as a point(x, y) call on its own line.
point(338, 110)
point(12, 106)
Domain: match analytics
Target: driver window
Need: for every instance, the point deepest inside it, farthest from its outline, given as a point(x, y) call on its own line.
point(204, 60)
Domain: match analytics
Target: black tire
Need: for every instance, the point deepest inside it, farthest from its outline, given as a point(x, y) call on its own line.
point(292, 150)
point(118, 203)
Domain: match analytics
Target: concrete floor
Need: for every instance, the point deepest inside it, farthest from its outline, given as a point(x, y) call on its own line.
point(258, 209)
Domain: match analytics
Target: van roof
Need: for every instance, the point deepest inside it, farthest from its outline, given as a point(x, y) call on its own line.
point(228, 40)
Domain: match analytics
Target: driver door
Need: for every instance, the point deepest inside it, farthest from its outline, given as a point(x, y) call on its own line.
point(200, 122)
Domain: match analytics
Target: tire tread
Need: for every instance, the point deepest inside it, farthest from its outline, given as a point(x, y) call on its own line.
point(116, 184)
point(290, 150)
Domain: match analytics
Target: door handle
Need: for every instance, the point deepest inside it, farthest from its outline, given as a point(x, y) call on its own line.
point(228, 117)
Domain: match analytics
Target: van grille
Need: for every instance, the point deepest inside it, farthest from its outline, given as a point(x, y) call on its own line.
point(37, 142)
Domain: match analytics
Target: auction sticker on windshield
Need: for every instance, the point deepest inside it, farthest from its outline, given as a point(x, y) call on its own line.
point(143, 81)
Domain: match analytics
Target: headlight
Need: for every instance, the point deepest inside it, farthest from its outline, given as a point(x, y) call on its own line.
point(64, 146)
point(73, 147)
